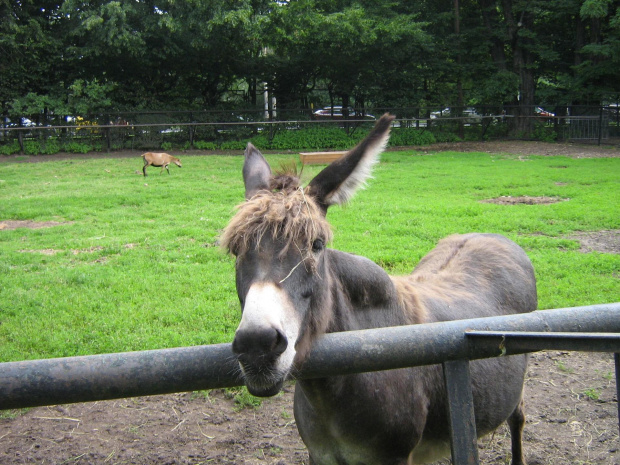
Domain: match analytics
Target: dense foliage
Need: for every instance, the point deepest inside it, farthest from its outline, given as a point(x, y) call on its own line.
point(75, 57)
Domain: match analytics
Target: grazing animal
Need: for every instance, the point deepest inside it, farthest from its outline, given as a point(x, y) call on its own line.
point(293, 289)
point(159, 159)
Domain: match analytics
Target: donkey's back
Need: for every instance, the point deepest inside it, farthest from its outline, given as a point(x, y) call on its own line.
point(475, 275)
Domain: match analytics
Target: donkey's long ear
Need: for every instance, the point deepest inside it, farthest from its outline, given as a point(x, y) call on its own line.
point(256, 171)
point(337, 183)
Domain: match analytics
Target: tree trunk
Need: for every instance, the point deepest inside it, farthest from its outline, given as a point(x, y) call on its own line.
point(252, 87)
point(459, 62)
point(522, 64)
point(492, 20)
point(345, 106)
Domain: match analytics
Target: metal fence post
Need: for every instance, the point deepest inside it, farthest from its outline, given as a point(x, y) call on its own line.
point(617, 360)
point(600, 125)
point(463, 439)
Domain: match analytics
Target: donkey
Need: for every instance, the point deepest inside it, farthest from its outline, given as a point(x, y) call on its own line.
point(159, 159)
point(292, 289)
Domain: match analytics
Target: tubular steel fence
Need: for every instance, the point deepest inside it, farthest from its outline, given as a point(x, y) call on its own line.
point(228, 129)
point(452, 344)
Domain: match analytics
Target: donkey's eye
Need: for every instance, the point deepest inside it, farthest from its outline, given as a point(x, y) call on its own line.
point(318, 245)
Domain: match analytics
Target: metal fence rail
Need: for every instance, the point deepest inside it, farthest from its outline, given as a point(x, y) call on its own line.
point(109, 376)
point(46, 133)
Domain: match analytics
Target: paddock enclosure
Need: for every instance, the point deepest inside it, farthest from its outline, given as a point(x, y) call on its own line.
point(128, 374)
point(111, 376)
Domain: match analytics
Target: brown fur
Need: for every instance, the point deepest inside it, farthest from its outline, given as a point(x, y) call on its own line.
point(288, 214)
point(159, 159)
point(408, 299)
point(463, 268)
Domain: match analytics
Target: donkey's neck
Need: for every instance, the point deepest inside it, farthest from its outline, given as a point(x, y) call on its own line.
point(364, 296)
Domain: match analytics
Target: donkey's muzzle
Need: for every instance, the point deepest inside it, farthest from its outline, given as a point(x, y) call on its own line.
point(254, 344)
point(257, 352)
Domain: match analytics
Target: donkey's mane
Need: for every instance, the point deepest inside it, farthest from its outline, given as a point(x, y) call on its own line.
point(285, 212)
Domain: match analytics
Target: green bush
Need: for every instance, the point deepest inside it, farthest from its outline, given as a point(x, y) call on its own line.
point(443, 136)
point(261, 141)
point(203, 145)
point(10, 149)
point(32, 147)
point(233, 145)
point(544, 133)
point(50, 147)
point(496, 131)
point(78, 147)
point(411, 136)
point(309, 138)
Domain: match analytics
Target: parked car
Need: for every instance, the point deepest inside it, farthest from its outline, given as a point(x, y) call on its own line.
point(326, 112)
point(438, 114)
point(544, 115)
point(23, 122)
point(613, 110)
point(470, 114)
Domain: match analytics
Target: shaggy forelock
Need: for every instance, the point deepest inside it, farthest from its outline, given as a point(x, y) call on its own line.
point(287, 213)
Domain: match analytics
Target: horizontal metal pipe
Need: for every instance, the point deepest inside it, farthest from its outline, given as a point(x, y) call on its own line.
point(110, 376)
point(514, 342)
point(113, 376)
point(416, 345)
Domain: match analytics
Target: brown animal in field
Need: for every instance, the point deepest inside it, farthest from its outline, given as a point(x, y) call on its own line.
point(159, 159)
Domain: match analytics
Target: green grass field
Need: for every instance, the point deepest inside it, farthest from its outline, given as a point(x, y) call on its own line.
point(136, 264)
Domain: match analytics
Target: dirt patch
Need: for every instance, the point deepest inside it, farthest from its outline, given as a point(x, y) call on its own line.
point(605, 241)
point(56, 251)
point(524, 200)
point(570, 398)
point(14, 224)
point(48, 252)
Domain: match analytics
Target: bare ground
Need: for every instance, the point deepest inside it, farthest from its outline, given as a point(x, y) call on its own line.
point(571, 402)
point(570, 399)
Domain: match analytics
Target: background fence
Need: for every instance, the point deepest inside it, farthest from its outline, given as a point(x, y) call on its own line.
point(231, 129)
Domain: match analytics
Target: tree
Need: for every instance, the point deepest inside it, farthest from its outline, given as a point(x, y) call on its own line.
point(357, 51)
point(30, 39)
point(597, 51)
point(78, 56)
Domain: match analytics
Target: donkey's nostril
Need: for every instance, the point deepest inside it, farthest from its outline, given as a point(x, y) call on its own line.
point(281, 343)
point(259, 341)
point(238, 346)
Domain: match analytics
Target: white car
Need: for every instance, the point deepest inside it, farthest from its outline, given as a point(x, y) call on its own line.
point(337, 113)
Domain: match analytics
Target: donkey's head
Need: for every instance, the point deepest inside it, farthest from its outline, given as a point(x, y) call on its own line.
point(278, 236)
